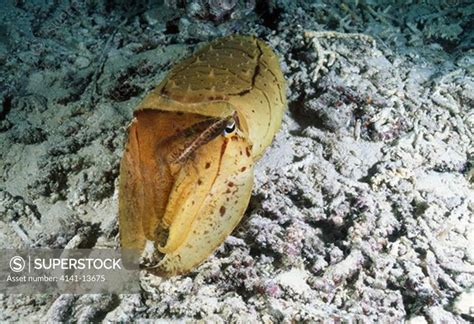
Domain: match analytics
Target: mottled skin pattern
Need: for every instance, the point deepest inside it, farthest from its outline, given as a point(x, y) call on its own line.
point(186, 179)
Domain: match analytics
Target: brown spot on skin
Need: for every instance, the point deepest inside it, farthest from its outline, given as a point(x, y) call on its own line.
point(247, 151)
point(208, 165)
point(222, 210)
point(199, 182)
point(227, 191)
point(243, 169)
point(230, 184)
point(234, 138)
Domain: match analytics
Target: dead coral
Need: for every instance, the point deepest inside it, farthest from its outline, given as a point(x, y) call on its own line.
point(214, 10)
point(361, 209)
point(328, 57)
point(27, 134)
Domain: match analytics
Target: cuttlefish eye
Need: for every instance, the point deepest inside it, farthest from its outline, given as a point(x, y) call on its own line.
point(229, 128)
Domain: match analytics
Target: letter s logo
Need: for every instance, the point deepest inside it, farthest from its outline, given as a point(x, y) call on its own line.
point(17, 264)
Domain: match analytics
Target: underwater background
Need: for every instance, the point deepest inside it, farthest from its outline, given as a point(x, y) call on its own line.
point(362, 208)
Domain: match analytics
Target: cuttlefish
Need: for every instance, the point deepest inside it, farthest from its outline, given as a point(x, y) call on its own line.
point(186, 175)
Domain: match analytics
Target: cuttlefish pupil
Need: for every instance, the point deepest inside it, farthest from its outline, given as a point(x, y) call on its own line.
point(229, 128)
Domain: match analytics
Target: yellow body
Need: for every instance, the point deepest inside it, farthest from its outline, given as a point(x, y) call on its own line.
point(187, 204)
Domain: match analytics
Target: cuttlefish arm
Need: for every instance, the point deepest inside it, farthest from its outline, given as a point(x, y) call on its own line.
point(187, 203)
point(221, 178)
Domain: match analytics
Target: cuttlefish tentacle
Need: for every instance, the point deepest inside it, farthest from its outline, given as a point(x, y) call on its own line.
point(186, 176)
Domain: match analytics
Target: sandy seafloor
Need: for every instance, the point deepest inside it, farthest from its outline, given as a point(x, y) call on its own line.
point(363, 206)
